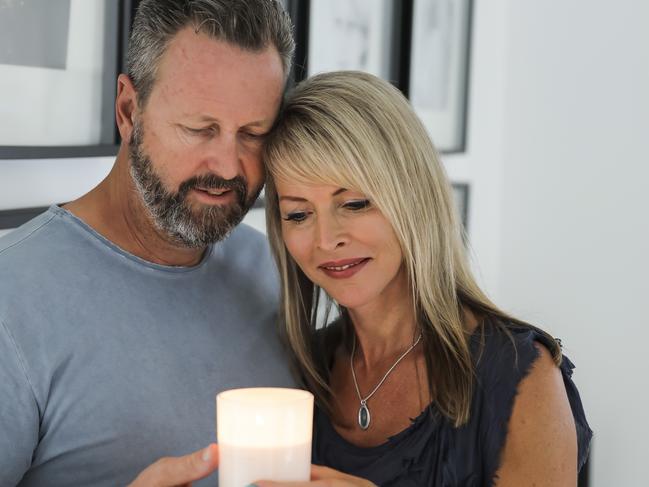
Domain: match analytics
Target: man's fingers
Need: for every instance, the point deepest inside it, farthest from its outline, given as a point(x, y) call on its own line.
point(174, 471)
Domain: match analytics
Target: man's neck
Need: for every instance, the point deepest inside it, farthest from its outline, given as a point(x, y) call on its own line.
point(114, 210)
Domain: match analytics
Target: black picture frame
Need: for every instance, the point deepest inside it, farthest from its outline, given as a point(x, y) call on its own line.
point(115, 44)
point(398, 57)
point(441, 33)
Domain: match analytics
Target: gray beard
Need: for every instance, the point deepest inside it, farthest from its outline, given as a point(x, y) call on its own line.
point(172, 214)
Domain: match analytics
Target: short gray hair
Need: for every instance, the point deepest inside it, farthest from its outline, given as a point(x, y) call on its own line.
point(252, 25)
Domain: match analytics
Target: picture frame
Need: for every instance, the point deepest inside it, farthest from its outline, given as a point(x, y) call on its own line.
point(352, 35)
point(439, 69)
point(60, 60)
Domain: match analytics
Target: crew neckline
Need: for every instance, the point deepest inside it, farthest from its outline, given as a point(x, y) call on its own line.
point(69, 216)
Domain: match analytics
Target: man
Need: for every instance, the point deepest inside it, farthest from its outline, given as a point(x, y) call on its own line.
point(124, 312)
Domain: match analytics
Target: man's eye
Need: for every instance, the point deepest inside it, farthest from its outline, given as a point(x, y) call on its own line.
point(296, 217)
point(206, 131)
point(254, 136)
point(357, 205)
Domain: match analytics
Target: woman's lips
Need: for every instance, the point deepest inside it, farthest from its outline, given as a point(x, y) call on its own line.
point(343, 269)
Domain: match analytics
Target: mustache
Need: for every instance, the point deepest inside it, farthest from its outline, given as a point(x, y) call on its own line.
point(212, 181)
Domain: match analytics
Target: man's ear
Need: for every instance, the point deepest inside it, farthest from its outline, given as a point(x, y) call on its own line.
point(125, 106)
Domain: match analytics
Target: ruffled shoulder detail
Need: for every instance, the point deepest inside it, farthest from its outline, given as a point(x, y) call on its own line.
point(504, 354)
point(584, 433)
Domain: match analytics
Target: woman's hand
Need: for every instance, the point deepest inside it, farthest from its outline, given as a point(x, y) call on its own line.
point(179, 471)
point(182, 471)
point(322, 477)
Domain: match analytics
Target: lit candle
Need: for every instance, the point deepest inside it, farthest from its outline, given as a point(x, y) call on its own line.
point(264, 434)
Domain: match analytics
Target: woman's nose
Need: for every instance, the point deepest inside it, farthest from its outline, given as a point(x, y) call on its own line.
point(331, 233)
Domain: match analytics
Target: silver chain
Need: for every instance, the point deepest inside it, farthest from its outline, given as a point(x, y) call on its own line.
point(351, 363)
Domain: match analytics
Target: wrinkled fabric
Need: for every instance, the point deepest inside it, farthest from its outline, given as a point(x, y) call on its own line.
point(432, 452)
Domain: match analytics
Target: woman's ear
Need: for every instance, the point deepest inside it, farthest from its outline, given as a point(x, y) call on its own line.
point(125, 106)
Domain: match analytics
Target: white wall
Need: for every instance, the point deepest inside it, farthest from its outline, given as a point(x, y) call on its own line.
point(574, 225)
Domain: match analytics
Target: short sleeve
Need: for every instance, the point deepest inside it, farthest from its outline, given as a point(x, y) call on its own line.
point(584, 433)
point(19, 418)
point(504, 358)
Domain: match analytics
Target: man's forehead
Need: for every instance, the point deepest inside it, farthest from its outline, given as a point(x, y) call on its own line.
point(200, 76)
point(189, 47)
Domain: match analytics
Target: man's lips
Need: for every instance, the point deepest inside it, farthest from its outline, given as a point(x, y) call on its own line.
point(341, 269)
point(213, 191)
point(214, 195)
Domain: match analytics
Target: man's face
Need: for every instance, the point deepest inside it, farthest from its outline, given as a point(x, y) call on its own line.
point(196, 147)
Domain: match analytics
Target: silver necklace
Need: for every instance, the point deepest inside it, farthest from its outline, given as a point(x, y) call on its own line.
point(364, 417)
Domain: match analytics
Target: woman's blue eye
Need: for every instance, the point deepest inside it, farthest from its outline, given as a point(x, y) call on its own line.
point(357, 205)
point(297, 217)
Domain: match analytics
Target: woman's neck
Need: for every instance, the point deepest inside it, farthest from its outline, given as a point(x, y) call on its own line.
point(384, 329)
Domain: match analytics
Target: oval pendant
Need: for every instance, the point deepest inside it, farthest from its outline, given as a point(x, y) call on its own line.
point(364, 417)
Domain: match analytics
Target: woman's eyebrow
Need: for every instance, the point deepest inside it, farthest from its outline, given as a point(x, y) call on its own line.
point(291, 198)
point(300, 199)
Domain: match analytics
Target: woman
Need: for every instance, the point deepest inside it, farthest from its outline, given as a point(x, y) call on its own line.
point(419, 379)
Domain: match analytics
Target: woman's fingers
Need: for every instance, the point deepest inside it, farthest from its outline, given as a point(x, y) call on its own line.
point(268, 483)
point(326, 473)
point(318, 473)
point(179, 471)
point(322, 477)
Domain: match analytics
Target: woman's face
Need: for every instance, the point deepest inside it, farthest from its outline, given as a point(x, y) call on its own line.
point(342, 242)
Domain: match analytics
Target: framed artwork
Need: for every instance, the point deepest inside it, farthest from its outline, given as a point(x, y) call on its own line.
point(439, 69)
point(59, 59)
point(351, 34)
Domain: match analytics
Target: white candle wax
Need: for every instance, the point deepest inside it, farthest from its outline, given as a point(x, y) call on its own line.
point(264, 434)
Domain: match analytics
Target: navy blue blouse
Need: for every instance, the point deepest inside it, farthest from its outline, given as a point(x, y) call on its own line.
point(431, 451)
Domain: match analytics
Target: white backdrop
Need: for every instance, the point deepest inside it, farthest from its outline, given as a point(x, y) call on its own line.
point(575, 230)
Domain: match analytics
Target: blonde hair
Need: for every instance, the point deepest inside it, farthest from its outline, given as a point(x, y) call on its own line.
point(357, 131)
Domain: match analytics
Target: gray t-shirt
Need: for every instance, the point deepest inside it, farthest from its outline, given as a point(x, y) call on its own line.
point(108, 362)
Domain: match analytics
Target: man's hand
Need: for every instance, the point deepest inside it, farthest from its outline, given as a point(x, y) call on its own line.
point(322, 477)
point(179, 471)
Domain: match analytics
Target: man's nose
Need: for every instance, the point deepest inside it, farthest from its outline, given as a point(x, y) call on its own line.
point(223, 158)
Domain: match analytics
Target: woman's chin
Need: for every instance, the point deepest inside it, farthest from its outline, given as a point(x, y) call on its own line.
point(350, 302)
